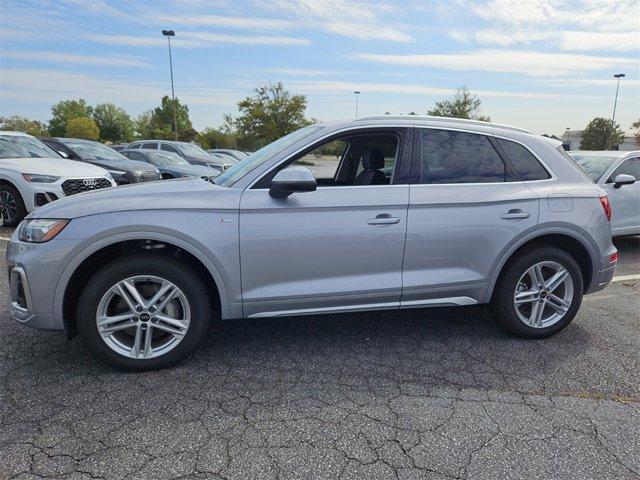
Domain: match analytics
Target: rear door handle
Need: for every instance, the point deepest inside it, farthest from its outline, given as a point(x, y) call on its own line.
point(383, 219)
point(514, 214)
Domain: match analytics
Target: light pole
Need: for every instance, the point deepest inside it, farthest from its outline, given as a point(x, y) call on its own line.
point(618, 76)
point(169, 34)
point(357, 93)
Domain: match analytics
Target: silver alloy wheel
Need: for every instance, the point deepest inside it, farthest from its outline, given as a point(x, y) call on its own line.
point(543, 294)
point(143, 317)
point(8, 206)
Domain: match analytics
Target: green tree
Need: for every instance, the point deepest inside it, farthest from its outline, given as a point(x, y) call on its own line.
point(158, 123)
point(270, 114)
point(22, 124)
point(463, 104)
point(216, 138)
point(636, 125)
point(82, 127)
point(114, 123)
point(64, 111)
point(601, 134)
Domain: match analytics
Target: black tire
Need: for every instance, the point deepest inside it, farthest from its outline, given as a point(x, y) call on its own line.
point(9, 191)
point(144, 264)
point(502, 305)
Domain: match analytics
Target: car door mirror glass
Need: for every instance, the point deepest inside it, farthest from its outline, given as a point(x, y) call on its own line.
point(623, 179)
point(62, 154)
point(292, 180)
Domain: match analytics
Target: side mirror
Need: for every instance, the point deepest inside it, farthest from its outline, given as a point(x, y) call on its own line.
point(63, 154)
point(292, 180)
point(623, 179)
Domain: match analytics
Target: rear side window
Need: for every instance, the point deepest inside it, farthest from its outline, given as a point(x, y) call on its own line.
point(150, 146)
point(459, 157)
point(527, 166)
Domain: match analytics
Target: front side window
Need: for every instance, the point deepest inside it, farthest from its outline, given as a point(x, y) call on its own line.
point(459, 157)
point(168, 148)
point(359, 159)
point(628, 167)
point(149, 146)
point(526, 164)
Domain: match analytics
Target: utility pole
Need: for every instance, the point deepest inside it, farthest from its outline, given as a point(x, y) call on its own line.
point(357, 93)
point(169, 34)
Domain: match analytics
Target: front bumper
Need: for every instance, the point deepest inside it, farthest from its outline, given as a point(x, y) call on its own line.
point(22, 308)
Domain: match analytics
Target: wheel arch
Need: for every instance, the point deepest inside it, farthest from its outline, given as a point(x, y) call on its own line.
point(565, 238)
point(80, 267)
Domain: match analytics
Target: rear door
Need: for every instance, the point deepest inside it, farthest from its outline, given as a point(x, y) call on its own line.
point(467, 205)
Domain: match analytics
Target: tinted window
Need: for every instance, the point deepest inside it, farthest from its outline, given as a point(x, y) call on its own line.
point(150, 146)
point(458, 157)
point(628, 167)
point(527, 166)
point(168, 148)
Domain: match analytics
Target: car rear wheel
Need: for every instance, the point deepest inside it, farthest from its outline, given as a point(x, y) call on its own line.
point(11, 206)
point(143, 312)
point(539, 293)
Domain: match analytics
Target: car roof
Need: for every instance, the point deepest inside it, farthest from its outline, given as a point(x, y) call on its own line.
point(15, 134)
point(433, 120)
point(158, 140)
point(605, 153)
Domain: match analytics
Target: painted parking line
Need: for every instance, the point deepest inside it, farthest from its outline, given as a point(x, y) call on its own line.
point(625, 278)
point(6, 239)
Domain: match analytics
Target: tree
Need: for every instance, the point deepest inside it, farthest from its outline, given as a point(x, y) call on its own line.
point(463, 104)
point(158, 123)
point(64, 111)
point(601, 134)
point(270, 114)
point(216, 138)
point(22, 124)
point(82, 127)
point(114, 123)
point(636, 125)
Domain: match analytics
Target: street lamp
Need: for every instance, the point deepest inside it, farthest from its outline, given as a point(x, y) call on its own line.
point(169, 34)
point(618, 76)
point(357, 93)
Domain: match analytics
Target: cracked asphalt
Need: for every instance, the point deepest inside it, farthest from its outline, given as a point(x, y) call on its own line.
point(421, 394)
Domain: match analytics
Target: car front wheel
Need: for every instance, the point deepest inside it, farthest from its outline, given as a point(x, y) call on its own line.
point(539, 293)
point(143, 312)
point(11, 206)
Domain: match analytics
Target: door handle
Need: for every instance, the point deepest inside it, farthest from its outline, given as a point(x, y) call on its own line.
point(514, 214)
point(383, 219)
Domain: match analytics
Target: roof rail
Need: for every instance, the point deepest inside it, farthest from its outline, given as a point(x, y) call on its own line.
point(429, 118)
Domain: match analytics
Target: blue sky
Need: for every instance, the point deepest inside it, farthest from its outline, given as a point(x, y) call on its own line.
point(543, 65)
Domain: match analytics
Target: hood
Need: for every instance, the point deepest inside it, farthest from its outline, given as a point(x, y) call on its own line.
point(195, 170)
point(124, 166)
point(180, 194)
point(60, 167)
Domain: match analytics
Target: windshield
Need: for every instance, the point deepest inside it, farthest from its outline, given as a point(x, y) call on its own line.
point(166, 159)
point(94, 151)
point(17, 146)
point(253, 161)
point(191, 150)
point(593, 166)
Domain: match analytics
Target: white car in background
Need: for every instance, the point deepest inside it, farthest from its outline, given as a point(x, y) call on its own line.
point(32, 175)
point(619, 174)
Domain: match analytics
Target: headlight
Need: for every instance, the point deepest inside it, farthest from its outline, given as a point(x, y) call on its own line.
point(39, 230)
point(117, 173)
point(34, 177)
point(109, 177)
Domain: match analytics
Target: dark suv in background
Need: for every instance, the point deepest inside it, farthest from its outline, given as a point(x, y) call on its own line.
point(190, 152)
point(123, 170)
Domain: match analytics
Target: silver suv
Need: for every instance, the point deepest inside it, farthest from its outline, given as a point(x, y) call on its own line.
point(378, 213)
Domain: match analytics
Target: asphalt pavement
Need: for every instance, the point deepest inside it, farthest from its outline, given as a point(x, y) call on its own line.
point(418, 394)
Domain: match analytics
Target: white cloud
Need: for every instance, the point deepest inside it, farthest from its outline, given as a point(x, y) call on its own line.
point(347, 88)
point(302, 72)
point(355, 19)
point(57, 57)
point(506, 61)
point(252, 23)
point(197, 40)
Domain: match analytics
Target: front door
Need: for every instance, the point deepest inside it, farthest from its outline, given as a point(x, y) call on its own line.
point(338, 248)
point(625, 201)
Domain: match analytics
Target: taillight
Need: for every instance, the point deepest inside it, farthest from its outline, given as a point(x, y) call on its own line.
point(613, 258)
point(606, 206)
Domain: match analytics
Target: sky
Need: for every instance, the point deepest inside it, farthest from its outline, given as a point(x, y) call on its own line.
point(543, 65)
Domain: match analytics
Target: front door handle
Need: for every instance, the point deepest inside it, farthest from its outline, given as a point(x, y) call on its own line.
point(383, 219)
point(514, 214)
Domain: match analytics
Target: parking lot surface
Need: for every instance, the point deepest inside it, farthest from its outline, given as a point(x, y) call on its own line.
point(419, 394)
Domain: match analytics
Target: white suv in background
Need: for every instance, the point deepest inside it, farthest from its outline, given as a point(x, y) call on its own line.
point(32, 175)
